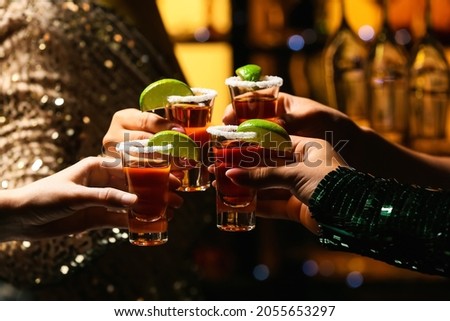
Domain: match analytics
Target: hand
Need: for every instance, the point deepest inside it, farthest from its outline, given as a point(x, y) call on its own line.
point(314, 160)
point(305, 117)
point(58, 204)
point(362, 148)
point(132, 124)
point(81, 197)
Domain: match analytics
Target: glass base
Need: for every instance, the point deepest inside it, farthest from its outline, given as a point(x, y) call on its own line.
point(193, 188)
point(148, 238)
point(234, 221)
point(196, 179)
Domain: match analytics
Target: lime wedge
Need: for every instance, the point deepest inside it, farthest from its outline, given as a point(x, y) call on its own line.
point(154, 96)
point(268, 134)
point(250, 72)
point(183, 147)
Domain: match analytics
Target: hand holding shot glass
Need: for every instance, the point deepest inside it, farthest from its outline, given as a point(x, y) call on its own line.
point(194, 112)
point(147, 172)
point(252, 95)
point(191, 108)
point(254, 143)
point(147, 165)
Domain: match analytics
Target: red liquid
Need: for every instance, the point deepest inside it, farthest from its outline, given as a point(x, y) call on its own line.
point(235, 154)
point(262, 107)
point(189, 115)
point(195, 119)
point(232, 154)
point(151, 186)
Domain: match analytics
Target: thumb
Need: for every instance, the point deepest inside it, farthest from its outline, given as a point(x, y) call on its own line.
point(106, 197)
point(229, 116)
point(265, 177)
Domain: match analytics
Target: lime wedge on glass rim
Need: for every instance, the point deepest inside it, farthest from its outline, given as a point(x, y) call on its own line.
point(250, 72)
point(154, 96)
point(268, 134)
point(184, 150)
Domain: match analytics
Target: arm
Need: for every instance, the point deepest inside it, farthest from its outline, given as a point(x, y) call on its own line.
point(400, 224)
point(397, 223)
point(362, 148)
point(59, 204)
point(63, 77)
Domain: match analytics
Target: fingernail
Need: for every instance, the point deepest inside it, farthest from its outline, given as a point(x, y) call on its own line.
point(235, 172)
point(129, 199)
point(178, 129)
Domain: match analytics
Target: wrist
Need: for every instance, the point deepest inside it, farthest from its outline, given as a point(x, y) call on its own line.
point(10, 224)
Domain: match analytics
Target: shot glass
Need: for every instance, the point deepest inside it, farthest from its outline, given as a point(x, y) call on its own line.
point(235, 204)
point(194, 114)
point(254, 99)
point(147, 171)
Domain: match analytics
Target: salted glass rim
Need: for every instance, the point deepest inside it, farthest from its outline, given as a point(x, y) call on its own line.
point(229, 132)
point(200, 95)
point(265, 82)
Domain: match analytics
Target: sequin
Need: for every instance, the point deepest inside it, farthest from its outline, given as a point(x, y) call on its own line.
point(59, 101)
point(64, 269)
point(108, 64)
point(5, 184)
point(396, 223)
point(37, 165)
point(386, 210)
point(79, 258)
point(68, 68)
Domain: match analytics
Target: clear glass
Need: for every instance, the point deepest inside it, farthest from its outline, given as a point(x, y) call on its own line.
point(429, 93)
point(388, 85)
point(147, 171)
point(235, 204)
point(254, 99)
point(345, 59)
point(194, 114)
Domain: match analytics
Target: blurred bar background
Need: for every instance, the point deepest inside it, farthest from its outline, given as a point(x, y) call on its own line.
point(294, 39)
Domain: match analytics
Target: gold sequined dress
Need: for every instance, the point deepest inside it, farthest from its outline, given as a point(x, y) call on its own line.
point(66, 67)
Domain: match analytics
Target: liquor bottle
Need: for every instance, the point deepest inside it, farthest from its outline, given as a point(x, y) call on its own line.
point(387, 78)
point(429, 92)
point(345, 58)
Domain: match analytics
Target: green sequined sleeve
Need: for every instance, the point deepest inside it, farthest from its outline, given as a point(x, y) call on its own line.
point(404, 225)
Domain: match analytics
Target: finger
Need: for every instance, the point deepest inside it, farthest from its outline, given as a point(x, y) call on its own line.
point(229, 116)
point(170, 213)
point(100, 172)
point(177, 173)
point(174, 182)
point(265, 177)
point(131, 123)
point(102, 196)
point(175, 200)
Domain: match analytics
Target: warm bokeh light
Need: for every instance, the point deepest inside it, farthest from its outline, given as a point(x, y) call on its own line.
point(200, 28)
point(186, 17)
point(208, 65)
point(204, 63)
point(358, 13)
point(366, 33)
